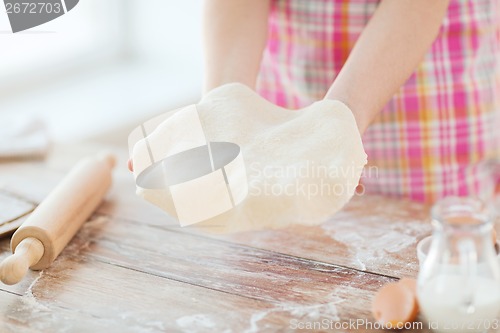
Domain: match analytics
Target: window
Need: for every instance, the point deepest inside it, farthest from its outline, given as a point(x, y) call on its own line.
point(88, 33)
point(106, 65)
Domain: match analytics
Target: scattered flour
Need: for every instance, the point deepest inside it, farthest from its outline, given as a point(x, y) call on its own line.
point(369, 243)
point(195, 323)
point(299, 311)
point(30, 301)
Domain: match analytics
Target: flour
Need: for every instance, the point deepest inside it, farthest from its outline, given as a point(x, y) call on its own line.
point(312, 312)
point(302, 166)
point(29, 300)
point(368, 243)
point(195, 323)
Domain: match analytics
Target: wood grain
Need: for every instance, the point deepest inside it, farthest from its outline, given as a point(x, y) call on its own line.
point(280, 288)
point(26, 314)
point(219, 265)
point(372, 233)
point(259, 289)
point(132, 269)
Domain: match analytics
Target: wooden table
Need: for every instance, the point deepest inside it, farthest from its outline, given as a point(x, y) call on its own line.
point(132, 269)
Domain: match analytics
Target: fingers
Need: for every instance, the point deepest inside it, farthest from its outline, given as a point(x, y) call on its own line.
point(130, 165)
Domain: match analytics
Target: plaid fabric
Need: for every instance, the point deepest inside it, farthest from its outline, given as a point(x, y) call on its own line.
point(440, 134)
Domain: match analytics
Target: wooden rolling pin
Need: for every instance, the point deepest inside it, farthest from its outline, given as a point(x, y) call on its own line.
point(50, 227)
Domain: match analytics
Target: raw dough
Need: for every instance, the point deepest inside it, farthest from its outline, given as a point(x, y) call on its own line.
point(302, 166)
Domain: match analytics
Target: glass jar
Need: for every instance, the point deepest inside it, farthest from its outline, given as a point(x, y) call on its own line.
point(459, 282)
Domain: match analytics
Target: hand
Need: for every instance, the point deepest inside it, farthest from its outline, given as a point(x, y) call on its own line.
point(302, 166)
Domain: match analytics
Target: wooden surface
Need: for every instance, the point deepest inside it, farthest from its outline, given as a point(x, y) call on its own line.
point(132, 269)
point(56, 220)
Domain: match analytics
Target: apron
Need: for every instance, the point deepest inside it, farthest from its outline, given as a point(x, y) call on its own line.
point(440, 133)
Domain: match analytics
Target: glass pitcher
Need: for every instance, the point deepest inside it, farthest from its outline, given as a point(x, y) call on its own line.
point(459, 282)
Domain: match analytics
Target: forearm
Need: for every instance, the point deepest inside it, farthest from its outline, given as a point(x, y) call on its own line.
point(235, 35)
point(389, 49)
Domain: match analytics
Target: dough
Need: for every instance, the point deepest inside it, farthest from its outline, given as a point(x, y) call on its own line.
point(301, 166)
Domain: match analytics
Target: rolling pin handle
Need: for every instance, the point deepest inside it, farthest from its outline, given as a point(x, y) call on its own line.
point(27, 253)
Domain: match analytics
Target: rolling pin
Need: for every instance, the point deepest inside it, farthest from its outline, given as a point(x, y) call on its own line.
point(40, 239)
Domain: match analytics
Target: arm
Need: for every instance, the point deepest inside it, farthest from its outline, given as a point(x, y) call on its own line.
point(389, 49)
point(235, 35)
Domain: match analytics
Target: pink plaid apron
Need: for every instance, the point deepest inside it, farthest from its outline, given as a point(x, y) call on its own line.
point(440, 134)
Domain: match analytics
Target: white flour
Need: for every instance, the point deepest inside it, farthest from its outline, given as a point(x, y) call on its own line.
point(313, 312)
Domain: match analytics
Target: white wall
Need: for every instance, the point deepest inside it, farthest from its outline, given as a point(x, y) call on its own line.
point(165, 28)
point(167, 33)
point(87, 34)
point(157, 67)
